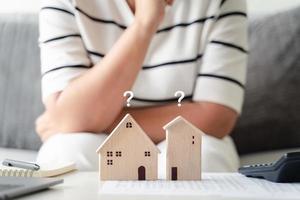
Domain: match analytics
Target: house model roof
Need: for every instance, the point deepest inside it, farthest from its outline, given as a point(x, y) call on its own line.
point(181, 119)
point(116, 132)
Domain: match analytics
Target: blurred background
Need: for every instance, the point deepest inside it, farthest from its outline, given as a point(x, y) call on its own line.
point(255, 6)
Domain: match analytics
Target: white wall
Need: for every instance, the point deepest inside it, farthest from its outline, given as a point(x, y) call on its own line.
point(255, 6)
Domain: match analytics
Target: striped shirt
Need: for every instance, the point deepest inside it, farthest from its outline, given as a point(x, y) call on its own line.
point(199, 48)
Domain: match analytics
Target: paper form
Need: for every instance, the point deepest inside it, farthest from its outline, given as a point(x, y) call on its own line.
point(212, 186)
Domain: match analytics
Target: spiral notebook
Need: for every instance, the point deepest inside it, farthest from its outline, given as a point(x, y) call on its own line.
point(46, 170)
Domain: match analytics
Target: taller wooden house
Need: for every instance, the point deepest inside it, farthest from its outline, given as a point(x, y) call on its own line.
point(128, 153)
point(183, 150)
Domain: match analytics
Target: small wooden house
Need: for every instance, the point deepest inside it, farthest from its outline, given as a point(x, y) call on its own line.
point(128, 153)
point(183, 150)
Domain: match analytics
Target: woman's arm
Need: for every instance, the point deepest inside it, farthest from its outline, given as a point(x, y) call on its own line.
point(92, 101)
point(213, 119)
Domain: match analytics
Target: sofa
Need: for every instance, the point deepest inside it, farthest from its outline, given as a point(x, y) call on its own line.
point(268, 127)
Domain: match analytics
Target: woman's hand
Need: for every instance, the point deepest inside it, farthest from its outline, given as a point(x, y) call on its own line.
point(45, 126)
point(150, 13)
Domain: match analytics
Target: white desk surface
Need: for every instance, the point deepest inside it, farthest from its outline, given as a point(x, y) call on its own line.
point(86, 185)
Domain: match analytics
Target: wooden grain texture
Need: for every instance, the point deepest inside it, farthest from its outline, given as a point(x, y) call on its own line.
point(132, 143)
point(183, 150)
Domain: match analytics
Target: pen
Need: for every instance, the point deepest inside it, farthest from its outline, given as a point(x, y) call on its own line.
point(20, 164)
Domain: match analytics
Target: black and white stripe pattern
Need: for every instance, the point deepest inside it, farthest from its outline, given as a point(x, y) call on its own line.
point(55, 9)
point(225, 78)
point(182, 57)
point(62, 37)
point(229, 45)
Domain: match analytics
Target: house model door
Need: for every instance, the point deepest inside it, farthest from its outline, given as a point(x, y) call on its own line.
point(142, 173)
point(174, 173)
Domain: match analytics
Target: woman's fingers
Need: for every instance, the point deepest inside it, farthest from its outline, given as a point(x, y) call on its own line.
point(44, 126)
point(39, 125)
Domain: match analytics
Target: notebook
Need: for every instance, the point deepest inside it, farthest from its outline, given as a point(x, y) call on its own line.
point(46, 170)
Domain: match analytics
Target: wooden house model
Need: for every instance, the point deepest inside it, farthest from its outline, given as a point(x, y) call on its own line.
point(128, 153)
point(183, 156)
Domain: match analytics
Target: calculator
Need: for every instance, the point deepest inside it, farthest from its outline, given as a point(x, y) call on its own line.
point(285, 170)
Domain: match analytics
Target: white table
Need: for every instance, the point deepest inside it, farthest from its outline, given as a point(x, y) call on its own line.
point(86, 185)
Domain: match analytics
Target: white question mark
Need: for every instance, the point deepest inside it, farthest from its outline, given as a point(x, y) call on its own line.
point(130, 93)
point(180, 98)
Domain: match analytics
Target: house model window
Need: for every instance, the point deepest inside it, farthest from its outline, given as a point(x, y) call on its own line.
point(109, 154)
point(128, 125)
point(147, 154)
point(118, 153)
point(193, 142)
point(109, 162)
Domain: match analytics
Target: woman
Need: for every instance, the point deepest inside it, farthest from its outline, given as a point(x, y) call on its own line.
point(93, 51)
